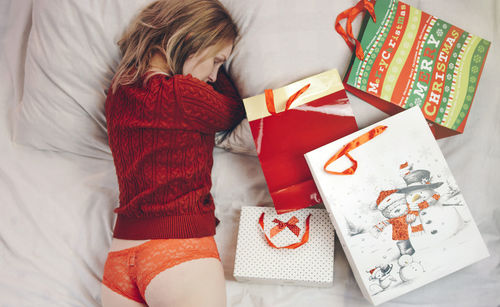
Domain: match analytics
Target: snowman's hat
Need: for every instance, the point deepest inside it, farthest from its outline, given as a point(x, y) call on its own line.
point(387, 198)
point(414, 181)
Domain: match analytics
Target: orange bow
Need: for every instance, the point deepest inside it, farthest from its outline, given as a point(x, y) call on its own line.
point(281, 225)
point(270, 99)
point(305, 236)
point(351, 14)
point(360, 140)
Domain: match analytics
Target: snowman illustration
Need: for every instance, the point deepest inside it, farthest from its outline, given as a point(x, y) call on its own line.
point(393, 206)
point(409, 269)
point(435, 218)
point(420, 192)
point(383, 276)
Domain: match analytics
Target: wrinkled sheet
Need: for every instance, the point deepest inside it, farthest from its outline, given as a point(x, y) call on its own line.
point(56, 221)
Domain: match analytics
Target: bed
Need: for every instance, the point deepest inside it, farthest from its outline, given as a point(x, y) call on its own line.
point(58, 185)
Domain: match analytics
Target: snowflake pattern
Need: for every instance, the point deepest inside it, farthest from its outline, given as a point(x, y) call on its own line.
point(425, 153)
point(447, 88)
point(439, 32)
point(451, 66)
point(475, 69)
point(448, 77)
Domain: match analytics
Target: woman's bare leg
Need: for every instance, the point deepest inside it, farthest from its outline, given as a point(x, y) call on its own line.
point(195, 283)
point(110, 298)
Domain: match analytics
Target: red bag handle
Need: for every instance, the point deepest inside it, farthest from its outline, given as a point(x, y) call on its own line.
point(351, 14)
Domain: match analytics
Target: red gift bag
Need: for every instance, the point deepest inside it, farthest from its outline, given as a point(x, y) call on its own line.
point(311, 113)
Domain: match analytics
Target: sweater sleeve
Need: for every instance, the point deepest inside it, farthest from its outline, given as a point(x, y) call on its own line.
point(224, 85)
point(206, 109)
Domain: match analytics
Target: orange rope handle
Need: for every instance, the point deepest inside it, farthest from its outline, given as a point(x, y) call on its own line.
point(350, 14)
point(351, 146)
point(270, 99)
point(304, 239)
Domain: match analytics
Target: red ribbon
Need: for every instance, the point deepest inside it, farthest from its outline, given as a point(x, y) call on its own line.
point(270, 99)
point(282, 225)
point(350, 146)
point(351, 14)
point(304, 239)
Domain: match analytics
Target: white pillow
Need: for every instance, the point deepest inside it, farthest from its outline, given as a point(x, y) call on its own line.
point(70, 61)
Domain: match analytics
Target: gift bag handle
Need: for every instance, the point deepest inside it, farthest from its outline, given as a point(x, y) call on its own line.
point(360, 140)
point(270, 99)
point(351, 14)
point(304, 239)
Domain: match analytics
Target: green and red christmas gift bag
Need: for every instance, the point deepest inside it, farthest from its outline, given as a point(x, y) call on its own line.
point(405, 57)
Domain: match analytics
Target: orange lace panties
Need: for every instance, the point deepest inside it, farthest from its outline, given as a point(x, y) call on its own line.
point(129, 271)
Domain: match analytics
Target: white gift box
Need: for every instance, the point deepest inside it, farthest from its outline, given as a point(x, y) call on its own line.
point(310, 264)
point(399, 215)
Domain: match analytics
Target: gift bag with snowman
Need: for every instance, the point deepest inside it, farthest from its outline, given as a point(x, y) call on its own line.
point(396, 207)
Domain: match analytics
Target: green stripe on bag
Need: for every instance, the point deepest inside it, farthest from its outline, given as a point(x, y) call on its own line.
point(371, 41)
point(475, 68)
point(449, 77)
point(462, 81)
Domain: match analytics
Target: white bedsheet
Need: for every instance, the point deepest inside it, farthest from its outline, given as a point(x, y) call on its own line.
point(56, 208)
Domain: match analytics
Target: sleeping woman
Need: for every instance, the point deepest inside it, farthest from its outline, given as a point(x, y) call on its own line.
point(169, 96)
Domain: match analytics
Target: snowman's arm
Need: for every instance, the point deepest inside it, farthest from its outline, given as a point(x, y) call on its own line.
point(379, 227)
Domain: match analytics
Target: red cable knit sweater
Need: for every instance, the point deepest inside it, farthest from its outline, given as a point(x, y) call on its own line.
point(162, 137)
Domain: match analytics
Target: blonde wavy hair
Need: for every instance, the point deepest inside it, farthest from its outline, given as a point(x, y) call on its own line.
point(174, 29)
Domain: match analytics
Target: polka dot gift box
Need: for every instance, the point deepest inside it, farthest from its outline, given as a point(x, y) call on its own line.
point(294, 248)
point(406, 57)
point(396, 208)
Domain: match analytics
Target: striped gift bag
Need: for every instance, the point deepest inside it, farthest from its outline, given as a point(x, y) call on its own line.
point(405, 57)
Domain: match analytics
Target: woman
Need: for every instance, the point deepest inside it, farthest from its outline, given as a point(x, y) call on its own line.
point(169, 96)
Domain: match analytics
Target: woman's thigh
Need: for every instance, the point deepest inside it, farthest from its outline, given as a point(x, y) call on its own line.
point(110, 298)
point(198, 282)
